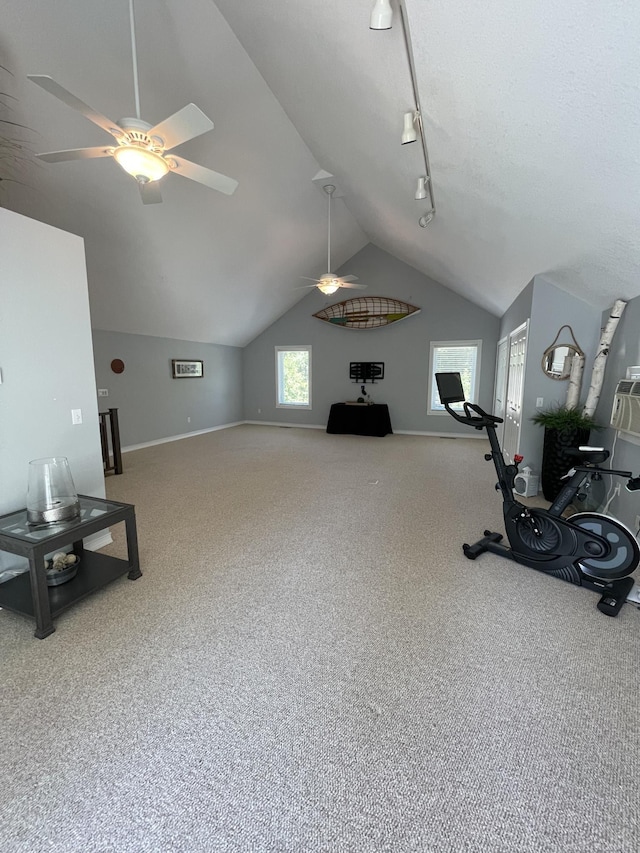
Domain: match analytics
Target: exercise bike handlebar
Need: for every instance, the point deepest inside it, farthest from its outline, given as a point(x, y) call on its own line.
point(482, 419)
point(479, 420)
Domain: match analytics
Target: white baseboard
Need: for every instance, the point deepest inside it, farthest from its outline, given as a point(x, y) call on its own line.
point(98, 540)
point(395, 431)
point(179, 437)
point(634, 595)
point(288, 425)
point(470, 434)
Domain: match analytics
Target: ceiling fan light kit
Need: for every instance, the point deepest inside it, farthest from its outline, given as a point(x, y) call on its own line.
point(381, 15)
point(142, 148)
point(328, 284)
point(142, 164)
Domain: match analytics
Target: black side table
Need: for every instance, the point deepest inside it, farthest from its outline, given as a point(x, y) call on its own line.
point(29, 594)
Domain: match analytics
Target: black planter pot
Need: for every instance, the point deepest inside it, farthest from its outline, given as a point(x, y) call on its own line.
point(555, 461)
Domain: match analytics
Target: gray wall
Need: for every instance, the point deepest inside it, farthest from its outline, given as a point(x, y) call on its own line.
point(46, 359)
point(518, 312)
point(402, 346)
point(548, 308)
point(551, 309)
point(624, 352)
point(151, 404)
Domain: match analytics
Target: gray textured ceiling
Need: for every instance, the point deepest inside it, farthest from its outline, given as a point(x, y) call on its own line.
point(532, 121)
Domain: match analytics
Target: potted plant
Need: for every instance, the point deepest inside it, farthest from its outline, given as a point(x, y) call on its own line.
point(563, 428)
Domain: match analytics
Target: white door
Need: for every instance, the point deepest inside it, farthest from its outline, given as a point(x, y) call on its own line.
point(500, 390)
point(515, 391)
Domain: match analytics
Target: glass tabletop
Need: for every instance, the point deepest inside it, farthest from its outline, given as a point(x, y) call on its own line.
point(15, 524)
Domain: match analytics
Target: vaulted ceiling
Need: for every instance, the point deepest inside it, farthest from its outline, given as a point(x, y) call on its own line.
point(531, 114)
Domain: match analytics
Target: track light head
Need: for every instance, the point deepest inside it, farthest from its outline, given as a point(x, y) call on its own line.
point(426, 219)
point(409, 132)
point(421, 189)
point(381, 15)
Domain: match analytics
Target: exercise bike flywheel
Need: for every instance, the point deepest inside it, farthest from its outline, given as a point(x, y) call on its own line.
point(625, 552)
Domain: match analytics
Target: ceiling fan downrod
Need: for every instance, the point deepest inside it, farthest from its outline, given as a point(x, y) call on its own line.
point(134, 56)
point(329, 189)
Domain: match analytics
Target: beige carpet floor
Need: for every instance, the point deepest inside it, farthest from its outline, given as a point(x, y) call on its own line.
point(309, 663)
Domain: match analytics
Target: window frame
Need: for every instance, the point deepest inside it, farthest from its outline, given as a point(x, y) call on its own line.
point(432, 389)
point(296, 348)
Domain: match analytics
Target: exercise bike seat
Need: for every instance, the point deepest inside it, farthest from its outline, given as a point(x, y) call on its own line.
point(589, 455)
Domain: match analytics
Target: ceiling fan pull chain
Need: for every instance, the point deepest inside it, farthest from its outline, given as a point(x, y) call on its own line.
point(134, 54)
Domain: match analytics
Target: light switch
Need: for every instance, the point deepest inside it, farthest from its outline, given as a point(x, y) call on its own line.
point(76, 416)
point(539, 402)
point(103, 392)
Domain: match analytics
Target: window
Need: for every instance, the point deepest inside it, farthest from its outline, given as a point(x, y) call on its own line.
point(462, 357)
point(293, 377)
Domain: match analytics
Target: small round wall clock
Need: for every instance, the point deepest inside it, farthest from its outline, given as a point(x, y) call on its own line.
point(117, 365)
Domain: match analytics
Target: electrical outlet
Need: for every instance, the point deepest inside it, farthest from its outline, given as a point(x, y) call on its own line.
point(637, 522)
point(76, 416)
point(188, 420)
point(539, 402)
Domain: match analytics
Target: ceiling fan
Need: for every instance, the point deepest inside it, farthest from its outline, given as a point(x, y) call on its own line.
point(141, 150)
point(329, 282)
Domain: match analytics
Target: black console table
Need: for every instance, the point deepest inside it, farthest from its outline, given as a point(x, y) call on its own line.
point(359, 419)
point(28, 592)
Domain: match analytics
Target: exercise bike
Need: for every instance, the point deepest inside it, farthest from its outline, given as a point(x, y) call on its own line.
point(588, 549)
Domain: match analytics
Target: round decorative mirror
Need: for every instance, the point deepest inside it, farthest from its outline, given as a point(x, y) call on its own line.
point(557, 358)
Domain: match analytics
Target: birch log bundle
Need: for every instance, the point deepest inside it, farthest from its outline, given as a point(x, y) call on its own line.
point(599, 363)
point(575, 381)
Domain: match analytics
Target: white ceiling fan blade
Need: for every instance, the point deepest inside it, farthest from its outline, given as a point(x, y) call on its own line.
point(304, 286)
point(204, 176)
point(74, 154)
point(187, 123)
point(307, 278)
point(49, 85)
point(348, 278)
point(150, 192)
point(354, 286)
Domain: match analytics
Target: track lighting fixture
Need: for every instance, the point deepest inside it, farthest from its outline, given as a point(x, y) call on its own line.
point(381, 15)
point(409, 132)
point(421, 189)
point(413, 125)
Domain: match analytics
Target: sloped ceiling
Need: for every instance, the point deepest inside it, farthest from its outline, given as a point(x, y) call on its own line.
point(532, 117)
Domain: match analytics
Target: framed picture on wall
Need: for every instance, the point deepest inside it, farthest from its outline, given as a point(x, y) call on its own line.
point(181, 369)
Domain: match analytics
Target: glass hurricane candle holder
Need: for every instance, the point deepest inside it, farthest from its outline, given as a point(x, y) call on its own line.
point(51, 494)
